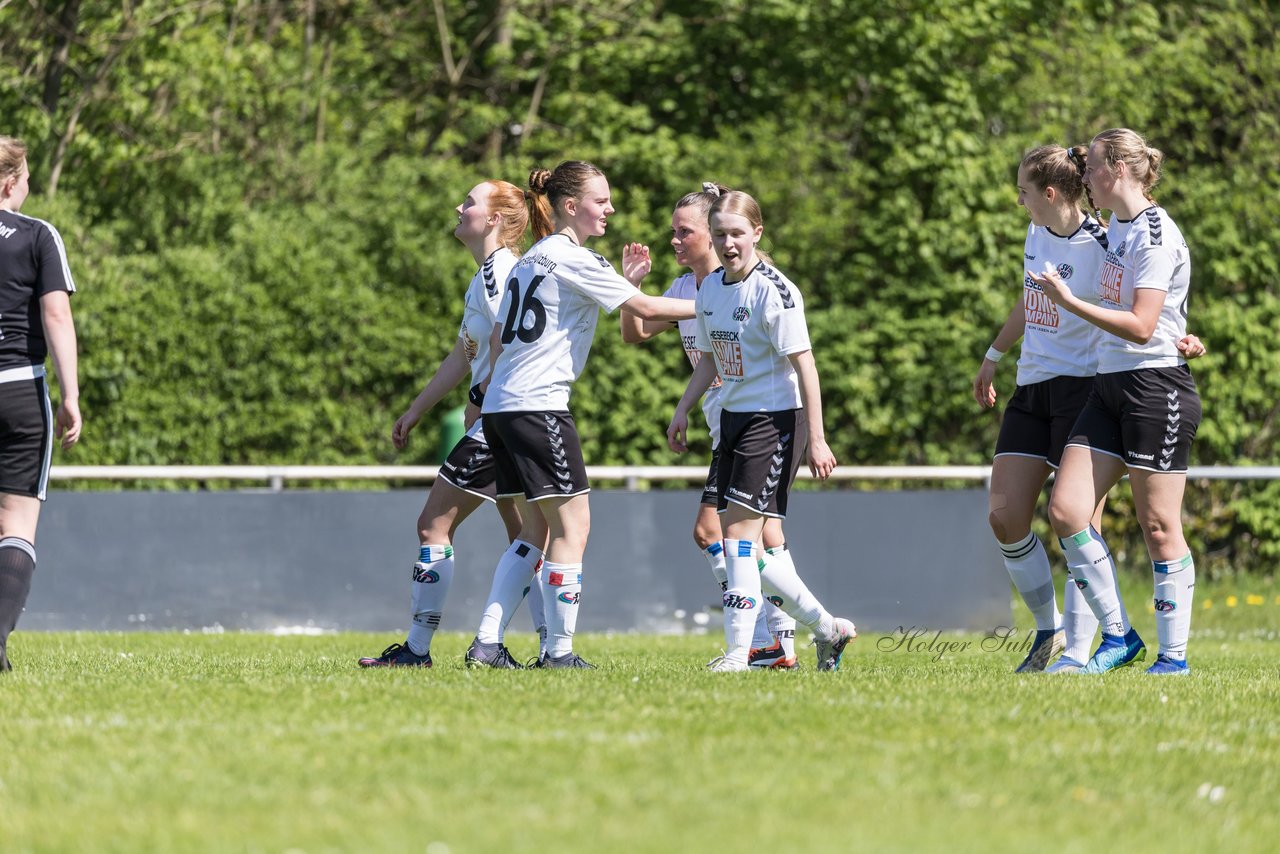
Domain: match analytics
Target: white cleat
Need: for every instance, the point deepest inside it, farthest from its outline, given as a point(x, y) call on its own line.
point(830, 649)
point(721, 664)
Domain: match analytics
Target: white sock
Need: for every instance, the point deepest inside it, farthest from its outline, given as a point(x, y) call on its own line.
point(562, 588)
point(1028, 565)
point(432, 575)
point(510, 579)
point(533, 596)
point(1078, 622)
point(741, 600)
point(714, 554)
point(1089, 560)
point(1175, 582)
point(762, 637)
point(780, 580)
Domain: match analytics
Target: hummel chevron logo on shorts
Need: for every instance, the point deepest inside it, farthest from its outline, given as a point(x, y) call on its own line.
point(1171, 430)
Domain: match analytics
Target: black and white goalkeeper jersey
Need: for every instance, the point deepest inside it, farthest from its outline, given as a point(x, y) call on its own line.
point(548, 316)
point(33, 262)
point(1145, 252)
point(751, 327)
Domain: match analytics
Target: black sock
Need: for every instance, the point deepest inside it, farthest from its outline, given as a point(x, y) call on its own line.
point(17, 564)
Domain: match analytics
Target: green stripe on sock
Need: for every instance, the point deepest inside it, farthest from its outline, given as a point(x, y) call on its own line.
point(1080, 539)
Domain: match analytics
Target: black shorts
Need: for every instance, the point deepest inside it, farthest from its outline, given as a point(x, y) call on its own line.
point(1039, 417)
point(760, 453)
point(470, 468)
point(710, 496)
point(26, 437)
point(1147, 418)
point(536, 454)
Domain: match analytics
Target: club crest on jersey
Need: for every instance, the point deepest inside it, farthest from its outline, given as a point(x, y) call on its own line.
point(1065, 270)
point(741, 313)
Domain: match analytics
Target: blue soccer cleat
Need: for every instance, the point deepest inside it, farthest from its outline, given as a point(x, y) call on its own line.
point(1116, 652)
point(1065, 664)
point(1166, 666)
point(1047, 646)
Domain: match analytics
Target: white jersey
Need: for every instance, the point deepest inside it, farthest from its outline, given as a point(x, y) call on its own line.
point(686, 287)
point(751, 327)
point(484, 295)
point(548, 315)
point(1146, 252)
point(1058, 343)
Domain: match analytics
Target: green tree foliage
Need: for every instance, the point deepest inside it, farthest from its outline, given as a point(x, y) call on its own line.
point(258, 196)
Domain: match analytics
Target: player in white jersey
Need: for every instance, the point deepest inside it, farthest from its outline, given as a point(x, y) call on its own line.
point(751, 321)
point(1142, 414)
point(1055, 375)
point(774, 643)
point(491, 223)
point(35, 322)
point(545, 326)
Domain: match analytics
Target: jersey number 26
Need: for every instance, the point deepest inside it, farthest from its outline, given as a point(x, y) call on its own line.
point(514, 327)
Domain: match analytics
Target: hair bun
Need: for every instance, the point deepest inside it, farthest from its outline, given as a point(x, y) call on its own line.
point(711, 187)
point(538, 179)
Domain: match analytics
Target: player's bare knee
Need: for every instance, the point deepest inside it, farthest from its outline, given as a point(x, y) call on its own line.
point(1067, 520)
point(998, 527)
point(1159, 532)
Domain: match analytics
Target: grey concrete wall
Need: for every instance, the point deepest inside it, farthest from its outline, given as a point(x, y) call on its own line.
point(340, 560)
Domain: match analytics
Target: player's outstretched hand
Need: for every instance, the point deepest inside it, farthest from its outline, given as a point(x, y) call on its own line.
point(984, 389)
point(636, 262)
point(1191, 347)
point(821, 461)
point(678, 432)
point(400, 432)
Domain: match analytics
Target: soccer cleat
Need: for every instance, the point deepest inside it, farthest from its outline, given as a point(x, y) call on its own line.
point(495, 655)
point(1065, 664)
point(537, 662)
point(1116, 652)
point(568, 661)
point(830, 649)
point(720, 664)
point(772, 656)
point(1166, 666)
point(1047, 646)
point(398, 655)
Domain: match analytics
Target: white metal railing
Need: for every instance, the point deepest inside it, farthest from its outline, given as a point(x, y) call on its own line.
point(631, 476)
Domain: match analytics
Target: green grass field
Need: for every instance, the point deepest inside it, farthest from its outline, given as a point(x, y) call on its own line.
point(238, 742)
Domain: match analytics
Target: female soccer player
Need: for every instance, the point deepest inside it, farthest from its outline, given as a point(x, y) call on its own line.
point(1143, 411)
point(1055, 374)
point(491, 223)
point(545, 327)
point(751, 319)
point(35, 321)
point(774, 641)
